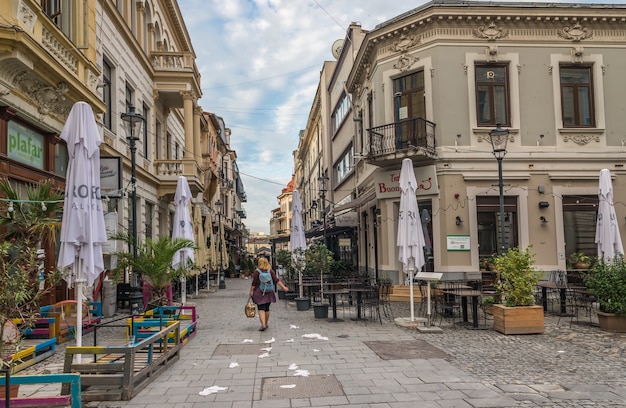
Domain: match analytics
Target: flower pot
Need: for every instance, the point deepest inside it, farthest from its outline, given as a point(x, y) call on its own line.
point(488, 308)
point(518, 319)
point(303, 303)
point(610, 322)
point(320, 311)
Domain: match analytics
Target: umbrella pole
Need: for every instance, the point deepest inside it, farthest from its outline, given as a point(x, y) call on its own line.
point(411, 294)
point(428, 291)
point(300, 284)
point(78, 288)
point(183, 290)
point(197, 283)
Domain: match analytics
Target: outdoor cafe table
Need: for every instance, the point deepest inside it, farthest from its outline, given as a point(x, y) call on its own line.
point(359, 300)
point(464, 294)
point(333, 294)
point(545, 285)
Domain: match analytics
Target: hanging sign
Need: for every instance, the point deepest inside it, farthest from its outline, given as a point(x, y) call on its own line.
point(25, 145)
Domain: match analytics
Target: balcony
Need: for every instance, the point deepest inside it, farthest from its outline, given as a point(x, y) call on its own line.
point(410, 138)
point(242, 213)
point(174, 74)
point(168, 171)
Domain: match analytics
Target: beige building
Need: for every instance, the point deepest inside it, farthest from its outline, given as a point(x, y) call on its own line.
point(117, 55)
point(433, 84)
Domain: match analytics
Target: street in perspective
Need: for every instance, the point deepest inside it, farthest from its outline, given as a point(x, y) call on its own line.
point(303, 361)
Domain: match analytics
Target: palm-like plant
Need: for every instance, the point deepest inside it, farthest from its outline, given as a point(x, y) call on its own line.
point(34, 219)
point(153, 261)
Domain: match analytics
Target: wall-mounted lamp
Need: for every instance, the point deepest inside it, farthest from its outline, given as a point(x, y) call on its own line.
point(539, 140)
point(377, 211)
point(543, 204)
point(543, 219)
point(314, 205)
point(458, 220)
point(456, 142)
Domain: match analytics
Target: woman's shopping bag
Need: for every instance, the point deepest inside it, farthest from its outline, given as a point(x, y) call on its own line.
point(250, 308)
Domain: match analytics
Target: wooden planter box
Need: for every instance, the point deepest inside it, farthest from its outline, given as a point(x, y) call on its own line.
point(611, 322)
point(518, 319)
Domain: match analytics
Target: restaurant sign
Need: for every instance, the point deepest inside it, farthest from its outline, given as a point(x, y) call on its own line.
point(25, 145)
point(388, 182)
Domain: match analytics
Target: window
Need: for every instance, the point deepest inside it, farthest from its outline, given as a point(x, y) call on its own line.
point(130, 93)
point(157, 140)
point(492, 95)
point(577, 96)
point(146, 133)
point(149, 216)
point(168, 146)
point(344, 165)
point(176, 151)
point(340, 112)
point(60, 12)
point(579, 224)
point(408, 93)
point(106, 93)
point(488, 216)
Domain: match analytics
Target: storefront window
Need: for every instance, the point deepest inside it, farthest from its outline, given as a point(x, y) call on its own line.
point(60, 159)
point(579, 224)
point(489, 233)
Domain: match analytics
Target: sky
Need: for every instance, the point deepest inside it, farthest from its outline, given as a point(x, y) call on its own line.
point(260, 62)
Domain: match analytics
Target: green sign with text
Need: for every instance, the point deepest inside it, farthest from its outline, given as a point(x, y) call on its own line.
point(25, 145)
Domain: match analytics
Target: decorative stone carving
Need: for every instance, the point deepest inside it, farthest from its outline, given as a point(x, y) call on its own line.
point(577, 54)
point(575, 33)
point(26, 15)
point(52, 45)
point(405, 61)
point(405, 42)
point(4, 90)
point(485, 138)
point(492, 53)
point(581, 139)
point(491, 32)
point(48, 99)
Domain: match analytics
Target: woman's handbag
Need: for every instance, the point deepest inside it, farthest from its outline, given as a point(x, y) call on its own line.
point(250, 308)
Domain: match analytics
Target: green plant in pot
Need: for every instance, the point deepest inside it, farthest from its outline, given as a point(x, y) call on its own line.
point(578, 260)
point(516, 282)
point(606, 280)
point(154, 263)
point(28, 229)
point(318, 259)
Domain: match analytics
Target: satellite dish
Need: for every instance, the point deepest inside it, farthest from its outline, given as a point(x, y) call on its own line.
point(336, 48)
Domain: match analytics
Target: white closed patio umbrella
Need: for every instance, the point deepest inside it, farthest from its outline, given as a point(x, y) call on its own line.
point(410, 239)
point(183, 229)
point(297, 240)
point(83, 231)
point(607, 229)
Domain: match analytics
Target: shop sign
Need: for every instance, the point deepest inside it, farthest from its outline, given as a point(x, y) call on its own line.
point(110, 176)
point(347, 219)
point(388, 182)
point(458, 242)
point(25, 145)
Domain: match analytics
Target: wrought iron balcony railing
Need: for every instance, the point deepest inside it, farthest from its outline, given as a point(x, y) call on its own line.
point(407, 134)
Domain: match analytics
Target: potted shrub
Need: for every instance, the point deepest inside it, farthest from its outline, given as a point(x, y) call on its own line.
point(515, 283)
point(154, 263)
point(579, 260)
point(606, 280)
point(30, 226)
point(318, 260)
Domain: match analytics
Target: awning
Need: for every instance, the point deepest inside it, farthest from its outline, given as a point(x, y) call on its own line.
point(356, 202)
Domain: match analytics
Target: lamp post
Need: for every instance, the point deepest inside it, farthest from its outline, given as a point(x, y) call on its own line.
point(222, 281)
point(499, 138)
point(133, 122)
point(323, 180)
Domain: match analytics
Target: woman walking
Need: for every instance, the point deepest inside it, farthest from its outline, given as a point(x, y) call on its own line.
point(264, 282)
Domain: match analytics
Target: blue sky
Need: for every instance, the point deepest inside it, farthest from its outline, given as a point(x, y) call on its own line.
point(260, 62)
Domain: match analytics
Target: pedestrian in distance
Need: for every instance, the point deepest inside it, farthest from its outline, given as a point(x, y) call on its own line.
point(264, 283)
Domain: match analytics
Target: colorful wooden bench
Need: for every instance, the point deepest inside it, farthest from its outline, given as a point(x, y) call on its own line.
point(71, 381)
point(65, 314)
point(155, 319)
point(120, 372)
point(36, 344)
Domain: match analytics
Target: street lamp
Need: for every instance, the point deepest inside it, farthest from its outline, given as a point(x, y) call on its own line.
point(222, 281)
point(323, 180)
point(133, 122)
point(499, 138)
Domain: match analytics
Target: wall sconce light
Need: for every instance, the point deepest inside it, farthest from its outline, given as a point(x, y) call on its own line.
point(543, 219)
point(539, 140)
point(314, 205)
point(377, 211)
point(543, 204)
point(458, 220)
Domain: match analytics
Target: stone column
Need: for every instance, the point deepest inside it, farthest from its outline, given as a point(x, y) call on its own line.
point(197, 148)
point(141, 18)
point(188, 102)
